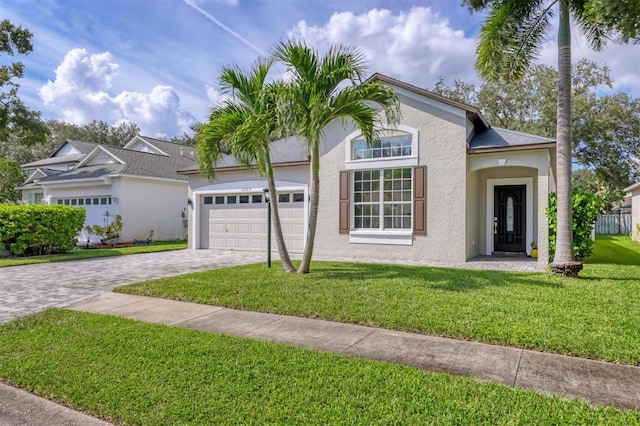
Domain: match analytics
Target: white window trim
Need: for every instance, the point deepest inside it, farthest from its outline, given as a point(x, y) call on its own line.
point(403, 237)
point(396, 237)
point(380, 163)
point(491, 184)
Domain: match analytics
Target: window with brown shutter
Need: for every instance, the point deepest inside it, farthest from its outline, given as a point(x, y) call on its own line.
point(419, 200)
point(345, 189)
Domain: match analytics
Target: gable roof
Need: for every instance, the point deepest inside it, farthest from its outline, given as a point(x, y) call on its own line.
point(473, 113)
point(126, 162)
point(289, 151)
point(496, 139)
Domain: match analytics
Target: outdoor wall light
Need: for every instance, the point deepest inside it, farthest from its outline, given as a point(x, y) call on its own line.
point(189, 201)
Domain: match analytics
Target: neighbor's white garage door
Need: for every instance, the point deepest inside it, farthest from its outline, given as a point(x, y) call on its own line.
point(239, 221)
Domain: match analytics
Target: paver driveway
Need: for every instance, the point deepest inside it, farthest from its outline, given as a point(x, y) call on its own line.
point(31, 288)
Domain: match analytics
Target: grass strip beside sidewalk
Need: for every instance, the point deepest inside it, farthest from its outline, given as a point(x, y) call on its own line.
point(595, 317)
point(146, 374)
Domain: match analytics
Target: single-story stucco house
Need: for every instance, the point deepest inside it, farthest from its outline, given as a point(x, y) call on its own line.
point(634, 190)
point(443, 185)
point(139, 182)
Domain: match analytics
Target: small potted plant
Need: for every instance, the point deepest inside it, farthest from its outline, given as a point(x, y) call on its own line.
point(534, 250)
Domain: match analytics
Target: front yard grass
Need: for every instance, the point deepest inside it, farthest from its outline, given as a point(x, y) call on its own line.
point(595, 316)
point(615, 250)
point(77, 254)
point(134, 373)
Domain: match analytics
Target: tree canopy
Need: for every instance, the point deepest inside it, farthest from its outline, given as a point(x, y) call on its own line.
point(605, 138)
point(16, 120)
point(11, 175)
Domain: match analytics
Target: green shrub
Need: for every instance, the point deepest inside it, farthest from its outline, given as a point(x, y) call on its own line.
point(585, 211)
point(107, 232)
point(39, 229)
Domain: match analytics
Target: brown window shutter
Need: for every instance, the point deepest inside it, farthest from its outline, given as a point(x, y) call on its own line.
point(344, 202)
point(420, 200)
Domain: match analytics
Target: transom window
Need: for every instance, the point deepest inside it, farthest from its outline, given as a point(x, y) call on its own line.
point(382, 199)
point(390, 144)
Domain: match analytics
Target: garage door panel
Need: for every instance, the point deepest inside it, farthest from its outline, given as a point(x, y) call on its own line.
point(243, 226)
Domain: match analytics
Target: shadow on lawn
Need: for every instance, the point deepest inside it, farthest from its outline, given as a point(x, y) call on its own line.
point(457, 280)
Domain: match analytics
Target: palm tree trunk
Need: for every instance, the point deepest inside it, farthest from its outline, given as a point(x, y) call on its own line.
point(275, 216)
point(564, 262)
point(314, 193)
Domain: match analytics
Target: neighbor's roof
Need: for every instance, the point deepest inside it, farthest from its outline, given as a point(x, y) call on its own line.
point(289, 151)
point(136, 163)
point(497, 139)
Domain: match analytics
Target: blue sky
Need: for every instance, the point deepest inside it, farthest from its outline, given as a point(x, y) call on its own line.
point(156, 62)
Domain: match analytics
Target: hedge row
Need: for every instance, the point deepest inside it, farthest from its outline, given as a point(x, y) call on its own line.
point(27, 230)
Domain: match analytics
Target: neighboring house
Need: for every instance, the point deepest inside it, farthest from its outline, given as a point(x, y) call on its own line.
point(634, 190)
point(443, 185)
point(138, 182)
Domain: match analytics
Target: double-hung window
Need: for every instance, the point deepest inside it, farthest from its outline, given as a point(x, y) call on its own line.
point(382, 190)
point(382, 199)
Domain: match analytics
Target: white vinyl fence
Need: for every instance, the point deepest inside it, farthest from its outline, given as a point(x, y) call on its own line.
point(613, 224)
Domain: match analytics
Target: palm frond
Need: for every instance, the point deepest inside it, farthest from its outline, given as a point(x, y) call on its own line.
point(511, 38)
point(596, 34)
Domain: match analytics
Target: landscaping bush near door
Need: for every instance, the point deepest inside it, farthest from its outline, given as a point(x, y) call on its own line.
point(39, 229)
point(585, 211)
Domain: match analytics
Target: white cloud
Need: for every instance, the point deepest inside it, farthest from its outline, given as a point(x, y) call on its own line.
point(80, 94)
point(417, 46)
point(420, 45)
point(215, 97)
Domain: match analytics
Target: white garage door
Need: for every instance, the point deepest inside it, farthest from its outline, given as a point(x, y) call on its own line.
point(239, 221)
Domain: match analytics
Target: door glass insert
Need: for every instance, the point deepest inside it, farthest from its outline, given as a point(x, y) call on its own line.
point(510, 214)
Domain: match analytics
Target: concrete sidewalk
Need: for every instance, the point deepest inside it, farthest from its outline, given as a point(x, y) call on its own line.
point(600, 383)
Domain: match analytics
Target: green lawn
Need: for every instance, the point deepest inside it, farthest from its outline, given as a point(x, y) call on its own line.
point(615, 250)
point(595, 316)
point(76, 254)
point(134, 373)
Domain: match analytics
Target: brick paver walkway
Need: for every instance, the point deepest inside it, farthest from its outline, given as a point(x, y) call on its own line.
point(31, 288)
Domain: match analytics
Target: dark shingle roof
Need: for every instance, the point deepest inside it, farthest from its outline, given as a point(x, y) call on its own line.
point(290, 150)
point(137, 163)
point(497, 138)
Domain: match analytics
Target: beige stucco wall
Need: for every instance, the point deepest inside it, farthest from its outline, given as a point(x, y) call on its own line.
point(635, 214)
point(442, 148)
point(147, 204)
point(534, 164)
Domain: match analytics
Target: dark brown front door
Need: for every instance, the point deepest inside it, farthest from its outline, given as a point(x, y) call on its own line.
point(509, 218)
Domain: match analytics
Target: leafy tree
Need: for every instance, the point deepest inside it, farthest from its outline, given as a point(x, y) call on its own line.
point(246, 124)
point(461, 91)
point(510, 39)
point(15, 118)
point(96, 131)
point(11, 175)
point(604, 136)
point(187, 139)
point(324, 88)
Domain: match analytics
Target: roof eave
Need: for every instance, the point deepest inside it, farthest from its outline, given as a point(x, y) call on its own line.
point(235, 168)
point(489, 149)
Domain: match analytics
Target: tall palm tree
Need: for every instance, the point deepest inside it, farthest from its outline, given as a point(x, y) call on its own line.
point(324, 88)
point(245, 125)
point(510, 40)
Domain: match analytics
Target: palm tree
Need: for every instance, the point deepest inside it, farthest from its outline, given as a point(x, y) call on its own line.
point(324, 88)
point(245, 126)
point(510, 39)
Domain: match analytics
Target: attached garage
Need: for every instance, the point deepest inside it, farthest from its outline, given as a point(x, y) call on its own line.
point(238, 220)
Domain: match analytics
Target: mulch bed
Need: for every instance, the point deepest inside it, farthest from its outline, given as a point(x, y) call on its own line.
point(106, 246)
